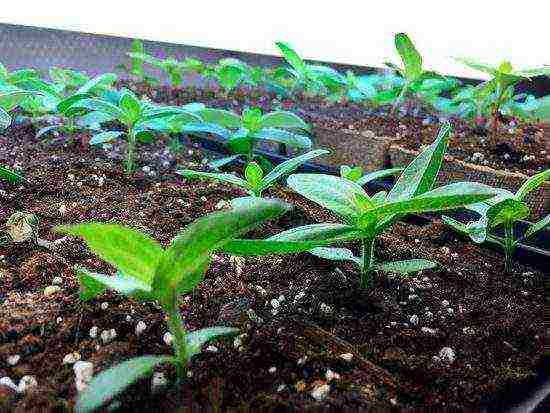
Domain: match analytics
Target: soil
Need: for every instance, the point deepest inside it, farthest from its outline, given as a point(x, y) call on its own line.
point(516, 147)
point(385, 358)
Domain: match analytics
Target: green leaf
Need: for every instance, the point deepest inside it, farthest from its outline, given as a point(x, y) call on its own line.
point(420, 175)
point(194, 127)
point(406, 267)
point(532, 183)
point(410, 56)
point(131, 106)
point(131, 252)
point(476, 230)
point(283, 136)
point(254, 174)
point(112, 382)
point(94, 284)
point(509, 210)
point(378, 175)
point(190, 250)
point(353, 174)
point(319, 232)
point(105, 137)
point(227, 178)
point(64, 105)
point(282, 119)
point(332, 192)
point(478, 66)
point(336, 254)
point(10, 175)
point(537, 227)
point(5, 119)
point(218, 163)
point(445, 197)
point(290, 165)
point(260, 247)
point(221, 117)
point(291, 56)
point(103, 106)
point(196, 339)
point(103, 80)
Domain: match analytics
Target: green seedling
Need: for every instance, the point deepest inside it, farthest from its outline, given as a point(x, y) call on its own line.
point(502, 82)
point(365, 217)
point(230, 72)
point(314, 79)
point(242, 133)
point(10, 175)
point(411, 70)
point(254, 181)
point(140, 119)
point(504, 211)
point(174, 69)
point(135, 69)
point(147, 272)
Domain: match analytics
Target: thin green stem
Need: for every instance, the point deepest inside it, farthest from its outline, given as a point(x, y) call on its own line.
point(175, 324)
point(130, 163)
point(367, 260)
point(509, 245)
point(399, 98)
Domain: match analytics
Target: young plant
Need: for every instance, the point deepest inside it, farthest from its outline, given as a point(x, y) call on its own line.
point(54, 101)
point(314, 79)
point(174, 69)
point(254, 182)
point(139, 118)
point(16, 78)
point(242, 133)
point(67, 80)
point(502, 82)
point(365, 217)
point(229, 73)
point(504, 211)
point(147, 272)
point(135, 68)
point(411, 70)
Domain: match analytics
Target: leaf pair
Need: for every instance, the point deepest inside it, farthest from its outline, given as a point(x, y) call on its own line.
point(254, 181)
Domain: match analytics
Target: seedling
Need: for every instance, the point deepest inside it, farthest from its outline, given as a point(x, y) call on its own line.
point(229, 73)
point(502, 82)
point(254, 182)
point(365, 217)
point(242, 133)
point(135, 68)
point(139, 118)
point(411, 70)
point(504, 211)
point(174, 69)
point(147, 272)
point(314, 79)
point(10, 175)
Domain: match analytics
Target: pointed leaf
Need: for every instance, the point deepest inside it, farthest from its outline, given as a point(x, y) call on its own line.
point(221, 117)
point(291, 56)
point(406, 267)
point(537, 227)
point(290, 165)
point(319, 232)
point(130, 251)
point(282, 119)
point(94, 284)
point(10, 175)
point(196, 339)
point(509, 210)
point(112, 382)
point(228, 178)
point(331, 192)
point(191, 249)
point(532, 183)
point(283, 136)
point(409, 55)
point(420, 175)
point(336, 254)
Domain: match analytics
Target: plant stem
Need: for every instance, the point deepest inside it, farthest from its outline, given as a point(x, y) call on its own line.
point(367, 259)
point(175, 324)
point(398, 99)
point(509, 245)
point(129, 168)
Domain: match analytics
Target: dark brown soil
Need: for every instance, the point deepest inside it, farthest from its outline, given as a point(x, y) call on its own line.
point(521, 148)
point(492, 321)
